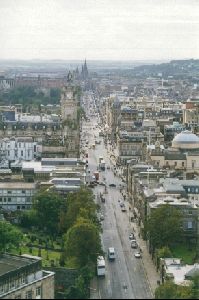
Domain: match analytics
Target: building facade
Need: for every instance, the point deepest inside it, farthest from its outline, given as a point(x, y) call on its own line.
point(22, 277)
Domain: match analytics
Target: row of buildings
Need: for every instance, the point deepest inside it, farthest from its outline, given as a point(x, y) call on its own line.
point(153, 134)
point(37, 151)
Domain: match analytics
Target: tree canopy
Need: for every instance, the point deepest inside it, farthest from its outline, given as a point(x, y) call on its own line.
point(10, 237)
point(164, 226)
point(48, 206)
point(82, 242)
point(170, 290)
point(80, 203)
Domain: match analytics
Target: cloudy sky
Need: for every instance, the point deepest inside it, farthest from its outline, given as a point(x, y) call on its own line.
point(99, 29)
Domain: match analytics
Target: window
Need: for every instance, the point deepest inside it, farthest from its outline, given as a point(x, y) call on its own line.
point(38, 291)
point(21, 152)
point(1, 199)
point(9, 192)
point(190, 225)
point(23, 192)
point(183, 164)
point(29, 295)
point(9, 200)
point(176, 163)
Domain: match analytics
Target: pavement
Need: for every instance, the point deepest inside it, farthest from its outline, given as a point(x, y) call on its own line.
point(150, 270)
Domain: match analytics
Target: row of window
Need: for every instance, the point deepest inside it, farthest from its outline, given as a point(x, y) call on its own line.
point(19, 207)
point(14, 200)
point(8, 192)
point(29, 152)
point(30, 294)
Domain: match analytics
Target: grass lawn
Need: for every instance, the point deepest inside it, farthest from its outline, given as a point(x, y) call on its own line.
point(185, 252)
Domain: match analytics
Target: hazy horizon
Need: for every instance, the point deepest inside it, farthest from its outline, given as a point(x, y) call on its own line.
point(100, 30)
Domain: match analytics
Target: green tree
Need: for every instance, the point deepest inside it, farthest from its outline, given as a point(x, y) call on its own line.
point(170, 290)
point(29, 218)
point(82, 242)
point(82, 204)
point(164, 252)
point(195, 287)
point(48, 206)
point(164, 226)
point(10, 237)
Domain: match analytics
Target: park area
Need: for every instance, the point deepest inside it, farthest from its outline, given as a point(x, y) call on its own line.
point(37, 244)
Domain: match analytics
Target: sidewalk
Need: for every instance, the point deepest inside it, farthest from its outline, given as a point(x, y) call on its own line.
point(150, 270)
point(94, 292)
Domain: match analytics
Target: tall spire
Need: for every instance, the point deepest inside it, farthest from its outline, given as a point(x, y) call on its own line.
point(85, 69)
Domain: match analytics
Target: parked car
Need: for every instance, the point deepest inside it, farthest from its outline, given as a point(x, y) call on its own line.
point(134, 244)
point(124, 209)
point(112, 185)
point(131, 237)
point(102, 183)
point(101, 217)
point(137, 255)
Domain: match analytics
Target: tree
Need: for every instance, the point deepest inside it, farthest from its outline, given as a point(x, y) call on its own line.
point(29, 218)
point(10, 237)
point(82, 242)
point(170, 290)
point(195, 287)
point(164, 226)
point(79, 204)
point(162, 253)
point(48, 206)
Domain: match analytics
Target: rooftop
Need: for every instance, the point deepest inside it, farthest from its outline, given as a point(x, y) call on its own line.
point(10, 263)
point(17, 185)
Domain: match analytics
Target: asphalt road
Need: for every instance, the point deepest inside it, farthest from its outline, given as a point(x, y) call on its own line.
point(125, 277)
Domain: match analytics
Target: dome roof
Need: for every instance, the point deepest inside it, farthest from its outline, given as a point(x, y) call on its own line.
point(186, 139)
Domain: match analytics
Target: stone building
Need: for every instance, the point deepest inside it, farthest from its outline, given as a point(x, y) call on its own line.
point(22, 277)
point(183, 155)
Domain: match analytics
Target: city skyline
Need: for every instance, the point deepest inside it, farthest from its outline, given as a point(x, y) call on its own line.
point(99, 30)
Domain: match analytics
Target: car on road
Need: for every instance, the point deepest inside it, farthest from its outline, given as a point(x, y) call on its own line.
point(102, 183)
point(123, 209)
point(101, 217)
point(137, 255)
point(121, 204)
point(112, 185)
point(131, 236)
point(134, 244)
point(111, 253)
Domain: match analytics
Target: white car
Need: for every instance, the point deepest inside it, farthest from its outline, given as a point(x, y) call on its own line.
point(137, 255)
point(131, 237)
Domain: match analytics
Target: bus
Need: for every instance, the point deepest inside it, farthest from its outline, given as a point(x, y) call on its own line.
point(100, 266)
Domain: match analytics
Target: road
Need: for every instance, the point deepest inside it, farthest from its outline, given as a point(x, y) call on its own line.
point(125, 277)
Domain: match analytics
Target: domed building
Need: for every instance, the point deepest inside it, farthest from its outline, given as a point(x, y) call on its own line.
point(183, 155)
point(186, 140)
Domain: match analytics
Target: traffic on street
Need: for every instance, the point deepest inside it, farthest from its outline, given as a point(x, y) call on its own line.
point(125, 276)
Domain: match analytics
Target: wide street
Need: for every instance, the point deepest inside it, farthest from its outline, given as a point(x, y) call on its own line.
point(125, 277)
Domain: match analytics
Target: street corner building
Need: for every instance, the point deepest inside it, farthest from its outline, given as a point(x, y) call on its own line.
point(22, 277)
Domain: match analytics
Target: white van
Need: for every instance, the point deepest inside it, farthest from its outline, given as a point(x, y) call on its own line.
point(101, 270)
point(111, 253)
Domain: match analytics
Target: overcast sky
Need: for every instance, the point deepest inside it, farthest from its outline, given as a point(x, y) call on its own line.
point(99, 29)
